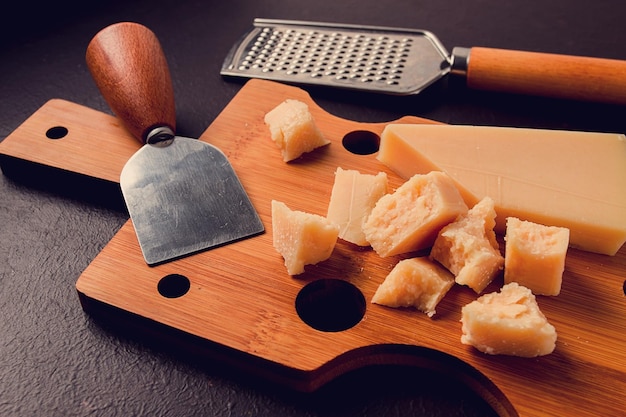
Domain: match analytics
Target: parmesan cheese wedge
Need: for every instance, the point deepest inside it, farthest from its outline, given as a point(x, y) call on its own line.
point(293, 129)
point(567, 179)
point(508, 322)
point(535, 255)
point(410, 218)
point(414, 282)
point(352, 199)
point(468, 248)
point(301, 238)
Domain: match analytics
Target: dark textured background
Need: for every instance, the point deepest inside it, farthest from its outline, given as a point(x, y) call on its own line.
point(57, 361)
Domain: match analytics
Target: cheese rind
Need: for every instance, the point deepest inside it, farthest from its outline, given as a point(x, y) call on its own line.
point(568, 179)
point(301, 238)
point(508, 322)
point(410, 218)
point(535, 255)
point(468, 247)
point(414, 282)
point(352, 199)
point(293, 129)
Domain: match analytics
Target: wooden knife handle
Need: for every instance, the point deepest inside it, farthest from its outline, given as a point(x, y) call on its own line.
point(548, 75)
point(130, 69)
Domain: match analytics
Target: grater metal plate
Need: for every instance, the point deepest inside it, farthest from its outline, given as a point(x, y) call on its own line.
point(369, 58)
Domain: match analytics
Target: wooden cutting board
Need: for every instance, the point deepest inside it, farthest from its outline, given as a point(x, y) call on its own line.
point(242, 307)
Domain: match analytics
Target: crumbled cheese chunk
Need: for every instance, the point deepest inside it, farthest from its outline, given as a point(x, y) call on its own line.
point(301, 238)
point(414, 282)
point(535, 255)
point(508, 322)
point(468, 247)
point(293, 129)
point(410, 218)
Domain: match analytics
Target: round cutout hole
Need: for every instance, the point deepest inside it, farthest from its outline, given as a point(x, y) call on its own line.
point(330, 305)
point(361, 142)
point(57, 132)
point(173, 286)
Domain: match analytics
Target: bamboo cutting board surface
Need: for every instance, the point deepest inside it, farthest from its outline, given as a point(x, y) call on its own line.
point(241, 302)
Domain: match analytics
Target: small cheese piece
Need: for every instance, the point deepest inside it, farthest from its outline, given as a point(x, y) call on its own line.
point(351, 201)
point(293, 129)
point(568, 179)
point(468, 247)
point(410, 218)
point(301, 238)
point(508, 322)
point(535, 255)
point(414, 282)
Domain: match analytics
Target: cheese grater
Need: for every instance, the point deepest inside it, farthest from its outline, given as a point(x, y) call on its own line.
point(406, 61)
point(369, 58)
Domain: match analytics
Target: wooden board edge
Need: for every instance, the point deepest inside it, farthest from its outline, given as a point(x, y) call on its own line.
point(240, 365)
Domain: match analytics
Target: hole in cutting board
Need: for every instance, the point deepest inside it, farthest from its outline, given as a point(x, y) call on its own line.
point(361, 142)
point(57, 132)
point(330, 305)
point(173, 286)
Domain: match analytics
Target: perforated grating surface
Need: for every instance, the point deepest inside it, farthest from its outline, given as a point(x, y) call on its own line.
point(371, 59)
point(343, 56)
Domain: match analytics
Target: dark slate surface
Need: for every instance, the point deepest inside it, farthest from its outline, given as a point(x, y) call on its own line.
point(57, 361)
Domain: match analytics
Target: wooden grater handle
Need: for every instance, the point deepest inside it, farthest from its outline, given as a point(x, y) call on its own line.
point(543, 74)
point(130, 69)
